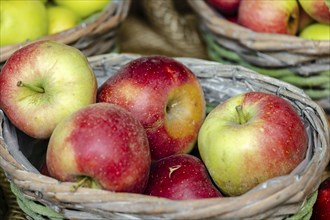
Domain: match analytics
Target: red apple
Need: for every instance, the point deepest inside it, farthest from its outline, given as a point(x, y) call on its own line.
point(104, 144)
point(233, 19)
point(321, 208)
point(280, 16)
point(180, 177)
point(42, 83)
point(44, 170)
point(319, 10)
point(225, 7)
point(304, 19)
point(249, 139)
point(165, 96)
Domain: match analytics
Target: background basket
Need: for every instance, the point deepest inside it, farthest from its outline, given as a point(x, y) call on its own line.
point(162, 27)
point(285, 197)
point(96, 35)
point(301, 62)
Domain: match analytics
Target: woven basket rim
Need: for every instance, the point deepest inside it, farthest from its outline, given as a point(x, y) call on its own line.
point(91, 25)
point(256, 40)
point(43, 188)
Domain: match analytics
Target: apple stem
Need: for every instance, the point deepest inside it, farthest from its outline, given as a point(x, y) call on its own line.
point(86, 181)
point(32, 87)
point(241, 116)
point(172, 169)
point(81, 182)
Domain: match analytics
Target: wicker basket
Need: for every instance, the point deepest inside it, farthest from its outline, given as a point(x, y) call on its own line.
point(286, 197)
point(301, 62)
point(96, 35)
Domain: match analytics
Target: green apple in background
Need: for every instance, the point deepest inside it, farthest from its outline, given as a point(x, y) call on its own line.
point(316, 31)
point(22, 20)
point(61, 18)
point(83, 8)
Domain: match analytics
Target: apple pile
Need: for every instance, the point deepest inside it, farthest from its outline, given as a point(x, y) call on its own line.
point(32, 19)
point(145, 129)
point(309, 19)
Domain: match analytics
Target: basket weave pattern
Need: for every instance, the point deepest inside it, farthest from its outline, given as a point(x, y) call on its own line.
point(301, 62)
point(278, 198)
point(96, 35)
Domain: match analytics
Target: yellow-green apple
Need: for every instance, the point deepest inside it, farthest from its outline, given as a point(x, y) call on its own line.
point(44, 82)
point(180, 177)
point(319, 10)
point(225, 7)
point(60, 18)
point(22, 21)
point(250, 138)
point(316, 31)
point(84, 8)
point(165, 96)
point(280, 16)
point(102, 145)
point(321, 208)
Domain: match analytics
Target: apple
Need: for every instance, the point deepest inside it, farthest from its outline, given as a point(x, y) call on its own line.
point(44, 82)
point(321, 208)
point(280, 16)
point(165, 96)
point(22, 21)
point(316, 31)
point(250, 138)
point(102, 145)
point(44, 170)
point(180, 177)
point(304, 19)
point(233, 19)
point(83, 8)
point(60, 19)
point(319, 10)
point(225, 7)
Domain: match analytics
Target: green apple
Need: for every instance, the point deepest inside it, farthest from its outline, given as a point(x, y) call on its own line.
point(316, 31)
point(44, 82)
point(61, 18)
point(21, 21)
point(249, 139)
point(83, 8)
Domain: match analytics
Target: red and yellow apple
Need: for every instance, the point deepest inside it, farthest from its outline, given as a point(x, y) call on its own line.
point(249, 139)
point(319, 10)
point(180, 177)
point(280, 16)
point(104, 144)
point(225, 7)
point(165, 96)
point(44, 82)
